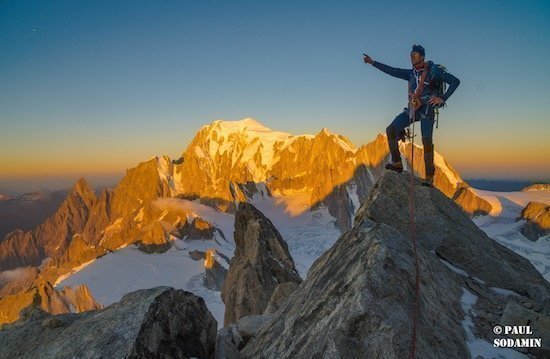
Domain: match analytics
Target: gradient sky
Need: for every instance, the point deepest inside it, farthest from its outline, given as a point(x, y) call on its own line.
point(91, 88)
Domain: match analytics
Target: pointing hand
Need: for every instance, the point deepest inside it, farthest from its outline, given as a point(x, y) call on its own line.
point(367, 59)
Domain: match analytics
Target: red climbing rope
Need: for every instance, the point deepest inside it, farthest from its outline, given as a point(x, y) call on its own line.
point(412, 231)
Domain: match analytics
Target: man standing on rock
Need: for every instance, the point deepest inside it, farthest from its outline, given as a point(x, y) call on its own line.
point(425, 94)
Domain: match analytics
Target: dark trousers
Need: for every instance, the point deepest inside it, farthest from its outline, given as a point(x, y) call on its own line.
point(425, 114)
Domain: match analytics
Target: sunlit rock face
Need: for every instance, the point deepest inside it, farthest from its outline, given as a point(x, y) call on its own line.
point(537, 220)
point(53, 236)
point(43, 295)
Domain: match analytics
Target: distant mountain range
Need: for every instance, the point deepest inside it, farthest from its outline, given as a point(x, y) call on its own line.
point(504, 185)
point(28, 210)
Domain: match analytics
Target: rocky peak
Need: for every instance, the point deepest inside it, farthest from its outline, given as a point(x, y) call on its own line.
point(43, 295)
point(53, 236)
point(140, 185)
point(537, 220)
point(261, 262)
point(358, 297)
point(82, 187)
point(81, 192)
point(342, 141)
point(445, 228)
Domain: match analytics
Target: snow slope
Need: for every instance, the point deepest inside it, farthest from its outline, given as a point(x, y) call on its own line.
point(501, 225)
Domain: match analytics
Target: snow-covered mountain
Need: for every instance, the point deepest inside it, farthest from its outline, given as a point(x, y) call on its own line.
point(226, 154)
point(504, 224)
point(321, 169)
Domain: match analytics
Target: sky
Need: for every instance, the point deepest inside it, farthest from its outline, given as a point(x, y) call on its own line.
point(92, 88)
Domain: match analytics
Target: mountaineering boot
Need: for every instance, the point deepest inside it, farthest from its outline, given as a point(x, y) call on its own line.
point(396, 166)
point(428, 181)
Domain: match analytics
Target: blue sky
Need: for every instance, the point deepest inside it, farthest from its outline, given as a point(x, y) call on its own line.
point(93, 88)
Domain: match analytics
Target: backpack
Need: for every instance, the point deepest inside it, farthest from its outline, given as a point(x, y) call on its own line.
point(436, 76)
point(437, 86)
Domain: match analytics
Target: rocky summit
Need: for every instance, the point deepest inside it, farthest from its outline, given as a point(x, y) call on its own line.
point(358, 297)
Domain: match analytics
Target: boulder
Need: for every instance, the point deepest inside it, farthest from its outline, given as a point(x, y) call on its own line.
point(445, 228)
point(157, 322)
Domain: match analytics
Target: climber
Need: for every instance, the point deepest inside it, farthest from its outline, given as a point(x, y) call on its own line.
point(422, 102)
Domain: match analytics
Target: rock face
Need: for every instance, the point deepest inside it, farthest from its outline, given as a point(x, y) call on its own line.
point(280, 294)
point(53, 236)
point(445, 228)
point(358, 296)
point(537, 220)
point(215, 273)
point(141, 185)
point(261, 262)
point(49, 299)
point(199, 228)
point(17, 280)
point(470, 202)
point(537, 187)
point(228, 343)
point(28, 210)
point(160, 322)
point(348, 304)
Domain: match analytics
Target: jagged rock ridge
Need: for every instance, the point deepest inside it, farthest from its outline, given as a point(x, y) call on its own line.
point(358, 296)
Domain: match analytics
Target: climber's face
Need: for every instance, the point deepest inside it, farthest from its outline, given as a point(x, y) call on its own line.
point(416, 58)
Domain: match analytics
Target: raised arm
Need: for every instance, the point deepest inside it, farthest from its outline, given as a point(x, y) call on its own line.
point(404, 74)
point(453, 82)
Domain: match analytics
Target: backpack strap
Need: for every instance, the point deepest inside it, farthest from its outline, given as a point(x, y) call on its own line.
point(414, 98)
